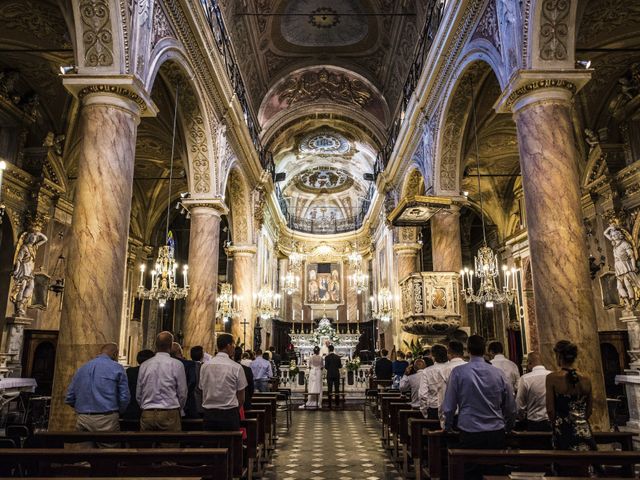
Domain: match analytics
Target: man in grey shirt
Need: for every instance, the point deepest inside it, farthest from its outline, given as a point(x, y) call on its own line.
point(162, 388)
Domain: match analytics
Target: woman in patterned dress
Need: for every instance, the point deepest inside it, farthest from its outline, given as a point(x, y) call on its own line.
point(569, 402)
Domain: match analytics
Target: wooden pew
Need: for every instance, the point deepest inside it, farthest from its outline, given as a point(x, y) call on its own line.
point(438, 442)
point(116, 462)
point(539, 460)
point(394, 427)
point(259, 416)
point(229, 440)
point(418, 427)
point(403, 435)
point(267, 409)
point(254, 441)
point(384, 399)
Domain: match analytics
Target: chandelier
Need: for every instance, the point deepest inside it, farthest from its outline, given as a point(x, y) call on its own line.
point(355, 259)
point(291, 282)
point(227, 303)
point(486, 261)
point(164, 285)
point(267, 303)
point(359, 281)
point(382, 305)
point(296, 258)
point(163, 277)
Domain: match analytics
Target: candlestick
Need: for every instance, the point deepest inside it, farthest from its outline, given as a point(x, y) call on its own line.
point(185, 269)
point(142, 267)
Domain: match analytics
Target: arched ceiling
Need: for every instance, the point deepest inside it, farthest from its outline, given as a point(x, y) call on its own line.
point(324, 80)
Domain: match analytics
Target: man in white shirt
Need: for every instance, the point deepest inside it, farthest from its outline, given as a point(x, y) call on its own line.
point(222, 382)
point(510, 369)
point(455, 354)
point(532, 395)
point(162, 388)
point(432, 383)
point(411, 381)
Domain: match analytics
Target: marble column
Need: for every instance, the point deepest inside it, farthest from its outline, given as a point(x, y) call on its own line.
point(549, 161)
point(204, 241)
point(244, 272)
point(97, 245)
point(446, 247)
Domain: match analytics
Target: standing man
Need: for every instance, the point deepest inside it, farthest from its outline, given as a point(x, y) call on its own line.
point(532, 395)
point(99, 392)
point(484, 400)
point(510, 369)
point(162, 388)
point(432, 383)
point(262, 372)
point(384, 366)
point(333, 364)
point(133, 409)
point(223, 384)
point(411, 381)
point(190, 410)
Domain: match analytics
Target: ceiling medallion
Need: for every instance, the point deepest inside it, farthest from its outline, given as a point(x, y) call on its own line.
point(323, 179)
point(324, 17)
point(324, 144)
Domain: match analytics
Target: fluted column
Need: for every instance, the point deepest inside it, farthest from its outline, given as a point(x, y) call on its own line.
point(541, 104)
point(97, 245)
point(204, 241)
point(244, 271)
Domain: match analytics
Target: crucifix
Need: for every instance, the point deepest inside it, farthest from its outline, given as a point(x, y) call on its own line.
point(244, 332)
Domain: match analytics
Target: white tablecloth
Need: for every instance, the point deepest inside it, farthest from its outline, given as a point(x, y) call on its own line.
point(21, 383)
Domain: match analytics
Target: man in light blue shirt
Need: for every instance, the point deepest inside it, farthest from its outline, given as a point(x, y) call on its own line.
point(262, 372)
point(99, 392)
point(484, 401)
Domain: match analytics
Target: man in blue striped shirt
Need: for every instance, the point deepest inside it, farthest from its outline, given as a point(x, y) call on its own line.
point(99, 392)
point(484, 400)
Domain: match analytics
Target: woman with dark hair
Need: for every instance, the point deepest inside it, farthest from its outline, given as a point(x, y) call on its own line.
point(569, 402)
point(314, 384)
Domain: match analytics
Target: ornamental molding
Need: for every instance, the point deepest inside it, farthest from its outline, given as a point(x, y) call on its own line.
point(216, 206)
point(97, 37)
point(540, 85)
point(114, 90)
point(554, 29)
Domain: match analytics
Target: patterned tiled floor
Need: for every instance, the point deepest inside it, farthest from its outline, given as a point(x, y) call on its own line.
point(328, 445)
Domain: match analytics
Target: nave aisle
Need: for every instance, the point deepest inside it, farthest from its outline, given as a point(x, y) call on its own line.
point(333, 445)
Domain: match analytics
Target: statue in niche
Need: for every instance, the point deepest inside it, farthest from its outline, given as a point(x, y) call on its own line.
point(626, 269)
point(23, 269)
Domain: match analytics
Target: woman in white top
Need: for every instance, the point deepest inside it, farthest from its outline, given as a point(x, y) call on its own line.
point(314, 385)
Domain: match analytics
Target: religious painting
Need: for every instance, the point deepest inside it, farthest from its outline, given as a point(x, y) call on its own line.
point(323, 283)
point(609, 290)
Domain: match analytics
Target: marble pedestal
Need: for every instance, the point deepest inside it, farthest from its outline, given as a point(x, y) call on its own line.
point(15, 342)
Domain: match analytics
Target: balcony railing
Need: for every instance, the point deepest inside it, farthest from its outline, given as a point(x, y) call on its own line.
point(435, 13)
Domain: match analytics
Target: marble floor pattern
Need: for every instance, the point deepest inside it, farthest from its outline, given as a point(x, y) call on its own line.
point(327, 445)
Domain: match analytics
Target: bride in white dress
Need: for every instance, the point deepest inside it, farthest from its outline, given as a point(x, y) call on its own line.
point(314, 386)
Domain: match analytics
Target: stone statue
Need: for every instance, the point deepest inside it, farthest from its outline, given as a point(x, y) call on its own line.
point(626, 269)
point(23, 267)
point(591, 138)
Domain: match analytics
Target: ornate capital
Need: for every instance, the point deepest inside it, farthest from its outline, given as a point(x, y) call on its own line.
point(121, 90)
point(532, 86)
point(242, 250)
point(407, 249)
point(213, 205)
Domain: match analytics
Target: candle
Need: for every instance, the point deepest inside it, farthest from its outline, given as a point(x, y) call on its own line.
point(358, 315)
point(462, 276)
point(153, 277)
point(185, 269)
point(142, 267)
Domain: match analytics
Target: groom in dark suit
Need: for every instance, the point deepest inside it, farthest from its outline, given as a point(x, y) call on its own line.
point(333, 364)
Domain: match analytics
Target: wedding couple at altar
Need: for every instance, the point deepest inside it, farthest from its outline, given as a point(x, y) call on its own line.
point(332, 363)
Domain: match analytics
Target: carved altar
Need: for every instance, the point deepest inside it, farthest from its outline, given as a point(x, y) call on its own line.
point(430, 303)
point(343, 343)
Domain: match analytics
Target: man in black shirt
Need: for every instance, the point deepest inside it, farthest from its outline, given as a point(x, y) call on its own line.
point(333, 364)
point(384, 366)
point(133, 409)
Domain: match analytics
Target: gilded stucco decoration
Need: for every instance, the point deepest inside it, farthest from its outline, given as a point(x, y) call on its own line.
point(192, 116)
point(323, 84)
point(239, 203)
point(160, 25)
point(488, 26)
point(554, 30)
point(37, 18)
point(97, 37)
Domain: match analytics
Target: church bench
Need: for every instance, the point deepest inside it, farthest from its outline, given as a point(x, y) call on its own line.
point(117, 462)
point(439, 441)
point(253, 443)
point(418, 427)
point(229, 440)
point(394, 426)
point(263, 428)
point(383, 403)
point(386, 419)
point(269, 420)
point(539, 460)
point(403, 434)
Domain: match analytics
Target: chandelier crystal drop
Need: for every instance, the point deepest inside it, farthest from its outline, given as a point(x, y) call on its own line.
point(164, 285)
point(486, 261)
point(382, 306)
point(227, 303)
point(267, 303)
